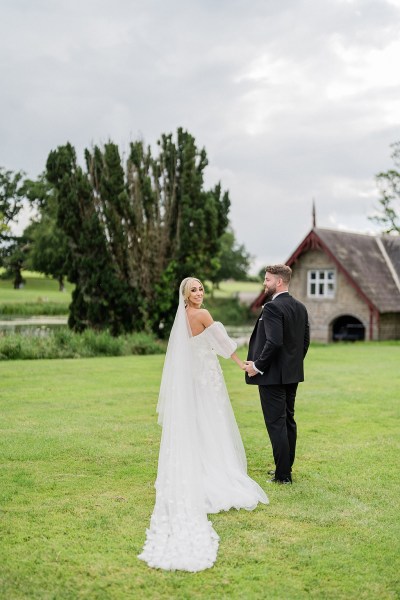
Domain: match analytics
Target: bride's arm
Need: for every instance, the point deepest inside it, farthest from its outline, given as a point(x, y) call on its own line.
point(224, 345)
point(237, 360)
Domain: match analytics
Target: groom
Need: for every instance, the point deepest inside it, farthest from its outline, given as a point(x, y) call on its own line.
point(277, 349)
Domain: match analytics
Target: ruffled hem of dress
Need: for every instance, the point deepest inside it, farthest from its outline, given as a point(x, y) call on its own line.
point(186, 545)
point(178, 563)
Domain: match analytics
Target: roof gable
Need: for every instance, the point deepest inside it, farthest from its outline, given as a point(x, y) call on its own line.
point(362, 261)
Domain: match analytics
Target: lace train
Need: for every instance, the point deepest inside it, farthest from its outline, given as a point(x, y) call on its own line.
point(185, 543)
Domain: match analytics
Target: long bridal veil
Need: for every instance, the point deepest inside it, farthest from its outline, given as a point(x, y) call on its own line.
point(180, 535)
point(178, 368)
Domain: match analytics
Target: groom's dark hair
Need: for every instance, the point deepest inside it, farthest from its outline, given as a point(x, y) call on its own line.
point(281, 270)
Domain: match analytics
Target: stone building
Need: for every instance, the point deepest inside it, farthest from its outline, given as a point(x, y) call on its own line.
point(350, 284)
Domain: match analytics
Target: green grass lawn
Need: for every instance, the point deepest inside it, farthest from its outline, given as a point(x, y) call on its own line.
point(37, 288)
point(230, 288)
point(79, 447)
point(39, 296)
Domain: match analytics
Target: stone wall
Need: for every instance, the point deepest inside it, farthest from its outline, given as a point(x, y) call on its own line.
point(389, 326)
point(323, 311)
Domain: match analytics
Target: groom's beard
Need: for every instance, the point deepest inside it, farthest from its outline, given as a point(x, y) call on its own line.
point(269, 293)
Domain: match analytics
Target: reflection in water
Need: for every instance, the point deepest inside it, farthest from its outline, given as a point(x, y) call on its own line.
point(34, 326)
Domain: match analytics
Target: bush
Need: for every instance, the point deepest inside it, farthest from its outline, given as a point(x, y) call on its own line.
point(229, 311)
point(10, 347)
point(63, 343)
point(143, 343)
point(30, 309)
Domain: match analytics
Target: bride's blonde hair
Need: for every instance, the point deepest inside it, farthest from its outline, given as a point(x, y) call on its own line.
point(185, 286)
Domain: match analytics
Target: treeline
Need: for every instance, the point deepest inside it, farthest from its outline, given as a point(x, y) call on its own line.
point(125, 231)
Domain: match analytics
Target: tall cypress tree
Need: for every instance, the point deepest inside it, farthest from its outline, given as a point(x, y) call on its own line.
point(101, 297)
point(134, 232)
point(193, 219)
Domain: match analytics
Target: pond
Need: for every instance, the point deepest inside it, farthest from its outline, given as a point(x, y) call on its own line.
point(31, 325)
point(41, 326)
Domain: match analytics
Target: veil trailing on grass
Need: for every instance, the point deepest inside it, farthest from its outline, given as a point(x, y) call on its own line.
point(180, 535)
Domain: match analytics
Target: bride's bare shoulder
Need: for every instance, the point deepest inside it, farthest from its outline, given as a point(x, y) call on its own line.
point(205, 317)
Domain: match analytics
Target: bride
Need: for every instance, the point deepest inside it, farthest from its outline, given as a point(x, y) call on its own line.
point(202, 463)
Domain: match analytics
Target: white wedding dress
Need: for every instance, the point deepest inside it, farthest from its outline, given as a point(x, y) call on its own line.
point(202, 463)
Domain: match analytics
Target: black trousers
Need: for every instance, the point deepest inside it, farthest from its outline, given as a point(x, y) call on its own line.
point(277, 402)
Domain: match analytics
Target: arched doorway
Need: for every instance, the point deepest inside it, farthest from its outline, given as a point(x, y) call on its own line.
point(347, 328)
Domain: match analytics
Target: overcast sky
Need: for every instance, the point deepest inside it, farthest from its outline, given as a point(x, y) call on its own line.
point(292, 99)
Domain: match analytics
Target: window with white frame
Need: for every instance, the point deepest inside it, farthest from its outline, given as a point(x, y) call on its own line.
point(321, 283)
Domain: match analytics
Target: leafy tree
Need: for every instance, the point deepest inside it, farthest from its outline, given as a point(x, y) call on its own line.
point(100, 298)
point(234, 259)
point(47, 247)
point(389, 186)
point(261, 274)
point(14, 259)
point(135, 231)
point(12, 247)
point(3, 226)
point(11, 197)
point(47, 243)
point(193, 220)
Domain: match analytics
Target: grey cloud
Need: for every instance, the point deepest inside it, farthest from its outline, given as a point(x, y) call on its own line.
point(252, 81)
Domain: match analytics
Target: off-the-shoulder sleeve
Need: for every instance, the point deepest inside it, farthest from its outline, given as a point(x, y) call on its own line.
point(219, 340)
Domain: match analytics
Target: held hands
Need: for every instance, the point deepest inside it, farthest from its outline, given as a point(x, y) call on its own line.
point(249, 368)
point(246, 365)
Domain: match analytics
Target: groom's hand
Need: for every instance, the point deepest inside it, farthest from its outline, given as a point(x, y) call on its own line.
point(249, 368)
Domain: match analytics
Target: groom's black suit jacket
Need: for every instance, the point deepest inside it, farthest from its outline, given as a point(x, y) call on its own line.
point(279, 342)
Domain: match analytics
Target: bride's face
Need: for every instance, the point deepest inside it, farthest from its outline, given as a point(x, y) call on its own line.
point(196, 294)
